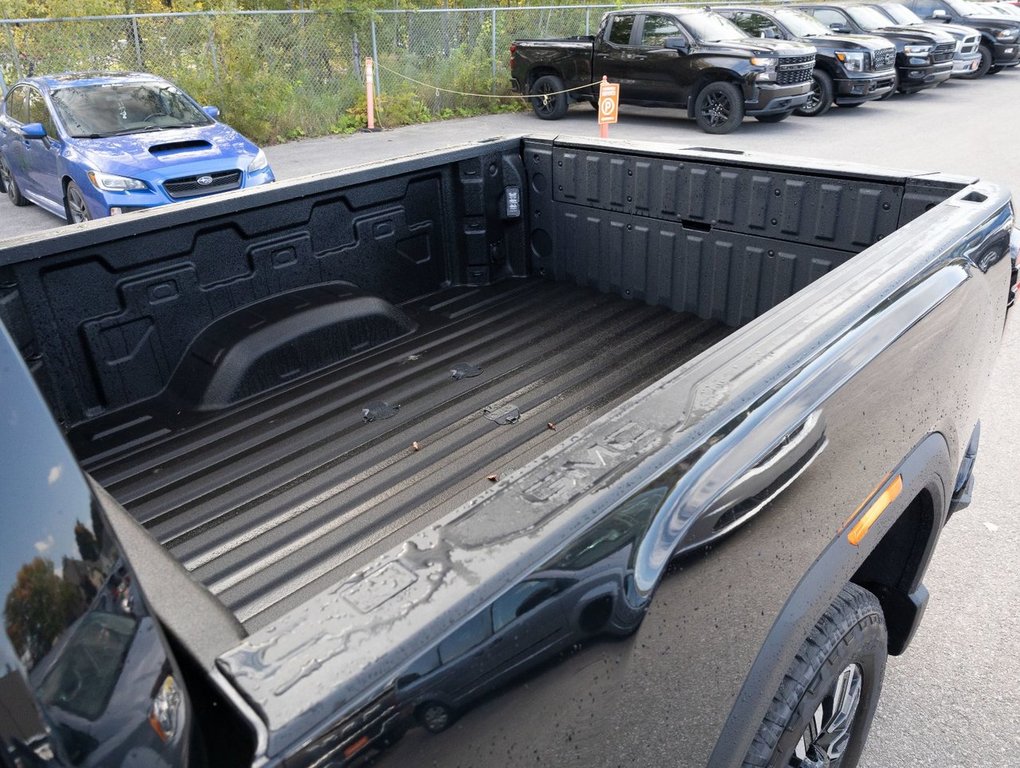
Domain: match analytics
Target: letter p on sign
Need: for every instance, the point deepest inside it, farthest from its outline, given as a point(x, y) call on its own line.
point(609, 105)
point(609, 101)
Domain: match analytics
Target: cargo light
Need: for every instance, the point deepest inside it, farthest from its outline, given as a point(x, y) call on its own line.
point(868, 519)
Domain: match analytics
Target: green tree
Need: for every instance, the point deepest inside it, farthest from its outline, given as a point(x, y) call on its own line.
point(38, 608)
point(87, 545)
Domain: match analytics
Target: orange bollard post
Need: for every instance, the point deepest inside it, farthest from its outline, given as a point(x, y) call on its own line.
point(370, 93)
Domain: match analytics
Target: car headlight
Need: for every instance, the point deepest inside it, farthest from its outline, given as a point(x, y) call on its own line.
point(260, 163)
point(165, 710)
point(1006, 34)
point(917, 50)
point(768, 63)
point(109, 182)
point(852, 60)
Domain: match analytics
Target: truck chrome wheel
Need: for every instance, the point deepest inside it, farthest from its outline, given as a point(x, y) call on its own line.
point(826, 738)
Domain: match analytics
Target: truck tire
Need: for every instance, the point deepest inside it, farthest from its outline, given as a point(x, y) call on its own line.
point(546, 106)
point(823, 709)
point(10, 186)
point(775, 117)
point(986, 62)
point(820, 100)
point(719, 108)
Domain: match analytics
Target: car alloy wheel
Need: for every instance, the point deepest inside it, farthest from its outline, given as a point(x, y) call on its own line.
point(10, 185)
point(77, 208)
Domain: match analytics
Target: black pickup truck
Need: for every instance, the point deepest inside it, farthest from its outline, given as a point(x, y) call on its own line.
point(849, 69)
point(923, 59)
point(1000, 36)
point(528, 452)
point(968, 60)
point(685, 58)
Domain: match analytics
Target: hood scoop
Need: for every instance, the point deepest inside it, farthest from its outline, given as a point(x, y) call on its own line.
point(179, 146)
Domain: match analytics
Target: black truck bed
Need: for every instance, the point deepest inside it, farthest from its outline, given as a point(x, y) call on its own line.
point(265, 501)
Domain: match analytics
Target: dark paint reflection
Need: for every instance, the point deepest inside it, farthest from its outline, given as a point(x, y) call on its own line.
point(83, 668)
point(584, 594)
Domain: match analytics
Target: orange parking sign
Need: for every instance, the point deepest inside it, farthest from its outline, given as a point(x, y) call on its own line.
point(609, 102)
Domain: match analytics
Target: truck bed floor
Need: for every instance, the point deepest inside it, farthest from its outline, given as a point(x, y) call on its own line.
point(281, 495)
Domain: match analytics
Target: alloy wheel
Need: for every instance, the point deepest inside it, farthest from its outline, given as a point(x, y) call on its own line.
point(77, 209)
point(717, 108)
point(814, 100)
point(544, 103)
point(5, 178)
point(827, 735)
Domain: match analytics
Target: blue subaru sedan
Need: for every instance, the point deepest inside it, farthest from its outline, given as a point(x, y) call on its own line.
point(89, 145)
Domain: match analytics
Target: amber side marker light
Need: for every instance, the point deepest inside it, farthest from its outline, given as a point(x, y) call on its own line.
point(353, 748)
point(862, 526)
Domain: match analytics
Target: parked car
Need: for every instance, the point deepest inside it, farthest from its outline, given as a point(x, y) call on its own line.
point(849, 69)
point(999, 46)
point(686, 58)
point(966, 59)
point(85, 146)
point(923, 59)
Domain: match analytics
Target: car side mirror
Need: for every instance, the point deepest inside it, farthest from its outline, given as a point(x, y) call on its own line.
point(213, 112)
point(843, 29)
point(678, 44)
point(938, 13)
point(33, 131)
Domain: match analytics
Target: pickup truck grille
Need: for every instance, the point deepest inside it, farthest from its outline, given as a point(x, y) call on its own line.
point(794, 69)
point(943, 52)
point(190, 186)
point(969, 45)
point(883, 59)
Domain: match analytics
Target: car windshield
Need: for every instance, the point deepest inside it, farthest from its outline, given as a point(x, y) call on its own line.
point(801, 24)
point(901, 14)
point(116, 109)
point(867, 18)
point(712, 28)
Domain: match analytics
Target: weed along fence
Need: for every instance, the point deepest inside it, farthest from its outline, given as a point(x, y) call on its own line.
point(279, 75)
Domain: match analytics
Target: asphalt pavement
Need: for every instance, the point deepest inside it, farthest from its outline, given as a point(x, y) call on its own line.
point(954, 698)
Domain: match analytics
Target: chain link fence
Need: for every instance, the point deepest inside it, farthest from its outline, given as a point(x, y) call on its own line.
point(279, 75)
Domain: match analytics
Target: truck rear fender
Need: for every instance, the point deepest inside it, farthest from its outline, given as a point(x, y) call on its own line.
point(890, 561)
point(541, 71)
